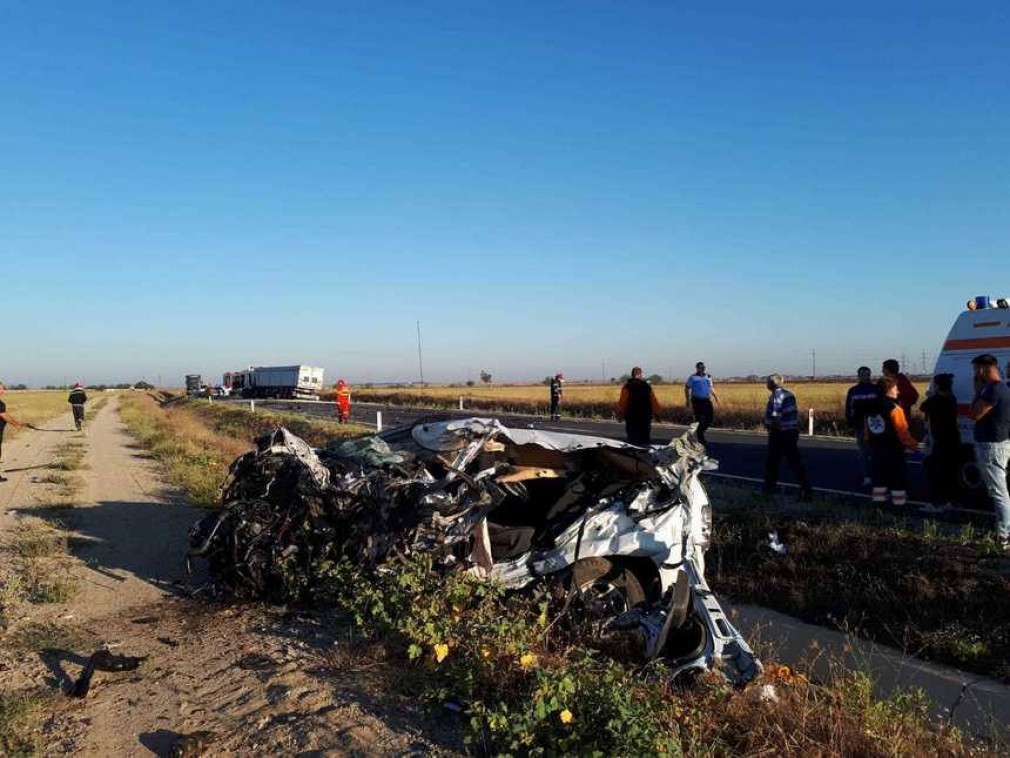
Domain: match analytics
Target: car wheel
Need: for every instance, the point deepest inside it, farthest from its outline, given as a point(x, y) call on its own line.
point(605, 589)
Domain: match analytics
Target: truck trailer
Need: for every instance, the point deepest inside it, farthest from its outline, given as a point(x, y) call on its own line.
point(293, 382)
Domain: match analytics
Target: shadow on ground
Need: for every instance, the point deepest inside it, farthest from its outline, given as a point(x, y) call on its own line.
point(146, 539)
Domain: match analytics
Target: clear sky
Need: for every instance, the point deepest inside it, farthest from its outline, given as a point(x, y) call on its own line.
point(546, 186)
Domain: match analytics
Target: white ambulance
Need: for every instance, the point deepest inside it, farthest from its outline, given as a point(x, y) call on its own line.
point(983, 328)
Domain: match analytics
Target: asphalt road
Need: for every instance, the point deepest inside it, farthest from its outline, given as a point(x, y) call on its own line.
point(831, 461)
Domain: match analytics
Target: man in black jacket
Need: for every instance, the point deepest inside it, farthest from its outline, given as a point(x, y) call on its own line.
point(637, 406)
point(77, 400)
point(861, 398)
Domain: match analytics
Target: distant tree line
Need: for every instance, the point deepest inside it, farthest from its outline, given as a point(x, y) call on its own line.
point(141, 385)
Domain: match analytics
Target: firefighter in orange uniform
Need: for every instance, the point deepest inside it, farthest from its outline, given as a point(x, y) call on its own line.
point(343, 396)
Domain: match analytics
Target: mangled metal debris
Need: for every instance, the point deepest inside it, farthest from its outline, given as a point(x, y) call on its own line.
point(623, 529)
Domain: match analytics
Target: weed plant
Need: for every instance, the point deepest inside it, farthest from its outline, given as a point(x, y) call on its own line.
point(524, 690)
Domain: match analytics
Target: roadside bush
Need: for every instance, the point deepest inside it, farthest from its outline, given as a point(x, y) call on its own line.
point(524, 691)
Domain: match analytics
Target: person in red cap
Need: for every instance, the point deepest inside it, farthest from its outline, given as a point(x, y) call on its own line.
point(5, 418)
point(77, 399)
point(343, 397)
point(557, 391)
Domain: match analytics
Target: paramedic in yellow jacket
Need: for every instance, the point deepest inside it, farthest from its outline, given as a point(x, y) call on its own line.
point(343, 397)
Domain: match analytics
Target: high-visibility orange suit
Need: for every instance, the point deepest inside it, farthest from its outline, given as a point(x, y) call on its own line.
point(343, 396)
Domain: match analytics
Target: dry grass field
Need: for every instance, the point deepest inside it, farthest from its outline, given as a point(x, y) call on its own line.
point(36, 406)
point(741, 404)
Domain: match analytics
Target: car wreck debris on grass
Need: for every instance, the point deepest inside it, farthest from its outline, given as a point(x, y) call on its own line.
point(619, 530)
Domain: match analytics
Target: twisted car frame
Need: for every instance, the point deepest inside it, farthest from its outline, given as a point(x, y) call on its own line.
point(622, 530)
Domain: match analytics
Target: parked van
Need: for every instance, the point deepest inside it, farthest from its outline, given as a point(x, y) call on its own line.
point(984, 327)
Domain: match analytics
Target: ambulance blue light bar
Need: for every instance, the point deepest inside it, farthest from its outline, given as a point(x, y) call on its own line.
point(981, 302)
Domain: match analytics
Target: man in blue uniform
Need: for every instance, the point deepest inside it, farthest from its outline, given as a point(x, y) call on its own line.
point(698, 395)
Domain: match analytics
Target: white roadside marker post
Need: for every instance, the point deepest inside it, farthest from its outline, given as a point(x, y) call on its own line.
point(378, 421)
point(252, 405)
point(810, 423)
point(461, 402)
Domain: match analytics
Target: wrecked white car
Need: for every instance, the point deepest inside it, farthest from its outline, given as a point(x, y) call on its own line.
point(622, 529)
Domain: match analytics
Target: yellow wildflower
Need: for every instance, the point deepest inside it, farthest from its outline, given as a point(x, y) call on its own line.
point(566, 716)
point(441, 651)
point(528, 660)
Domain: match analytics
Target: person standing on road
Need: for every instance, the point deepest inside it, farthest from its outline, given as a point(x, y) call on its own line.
point(698, 396)
point(859, 399)
point(783, 424)
point(5, 418)
point(888, 436)
point(343, 398)
point(636, 406)
point(940, 411)
point(77, 399)
point(991, 412)
point(557, 391)
point(908, 395)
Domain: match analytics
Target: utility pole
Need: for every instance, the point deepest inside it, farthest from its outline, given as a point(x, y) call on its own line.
point(924, 361)
point(603, 371)
point(813, 364)
point(420, 366)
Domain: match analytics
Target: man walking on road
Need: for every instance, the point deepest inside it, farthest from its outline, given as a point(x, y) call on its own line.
point(698, 395)
point(77, 399)
point(859, 399)
point(5, 418)
point(637, 406)
point(557, 391)
point(991, 412)
point(783, 424)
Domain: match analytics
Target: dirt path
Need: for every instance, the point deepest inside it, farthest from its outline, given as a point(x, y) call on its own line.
point(258, 681)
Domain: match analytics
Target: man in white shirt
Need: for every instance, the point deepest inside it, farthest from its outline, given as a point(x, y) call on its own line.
point(698, 396)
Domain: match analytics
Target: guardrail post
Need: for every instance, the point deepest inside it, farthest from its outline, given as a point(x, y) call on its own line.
point(378, 421)
point(810, 422)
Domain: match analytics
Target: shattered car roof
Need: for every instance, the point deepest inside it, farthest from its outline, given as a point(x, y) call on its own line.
point(442, 436)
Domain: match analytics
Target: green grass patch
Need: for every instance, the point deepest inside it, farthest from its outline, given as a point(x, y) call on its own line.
point(527, 690)
point(69, 456)
point(936, 593)
point(41, 637)
point(21, 718)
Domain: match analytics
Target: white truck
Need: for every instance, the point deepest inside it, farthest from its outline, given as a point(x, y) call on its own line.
point(293, 382)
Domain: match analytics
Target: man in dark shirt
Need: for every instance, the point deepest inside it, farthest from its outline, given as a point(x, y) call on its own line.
point(860, 398)
point(940, 411)
point(991, 412)
point(637, 405)
point(557, 391)
point(908, 395)
point(77, 399)
point(5, 418)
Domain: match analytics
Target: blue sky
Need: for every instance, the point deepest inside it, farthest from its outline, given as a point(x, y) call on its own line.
point(545, 186)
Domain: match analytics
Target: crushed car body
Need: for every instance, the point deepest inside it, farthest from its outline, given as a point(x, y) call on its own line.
point(622, 529)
